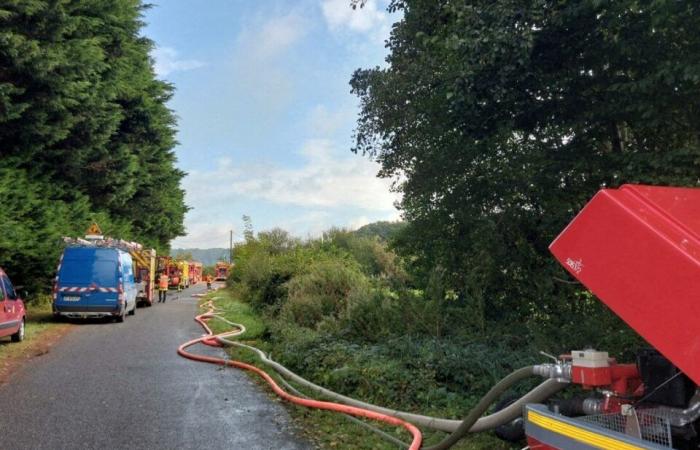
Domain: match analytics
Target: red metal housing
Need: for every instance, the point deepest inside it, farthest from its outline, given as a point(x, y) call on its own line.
point(638, 249)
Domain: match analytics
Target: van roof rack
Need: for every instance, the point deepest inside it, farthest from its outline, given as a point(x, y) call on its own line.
point(104, 242)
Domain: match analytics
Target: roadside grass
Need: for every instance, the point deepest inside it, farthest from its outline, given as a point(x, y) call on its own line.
point(235, 311)
point(41, 332)
point(325, 429)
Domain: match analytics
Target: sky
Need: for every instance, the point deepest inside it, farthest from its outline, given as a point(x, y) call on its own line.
point(265, 113)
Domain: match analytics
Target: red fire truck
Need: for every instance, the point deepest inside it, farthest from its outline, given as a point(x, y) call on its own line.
point(195, 272)
point(221, 271)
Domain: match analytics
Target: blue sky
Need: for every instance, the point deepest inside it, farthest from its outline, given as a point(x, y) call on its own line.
point(266, 115)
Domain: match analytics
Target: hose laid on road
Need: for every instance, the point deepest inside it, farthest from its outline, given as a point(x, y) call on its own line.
point(293, 390)
point(264, 358)
point(212, 339)
point(458, 428)
point(536, 395)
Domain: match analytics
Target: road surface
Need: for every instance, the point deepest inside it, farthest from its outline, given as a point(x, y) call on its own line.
point(110, 385)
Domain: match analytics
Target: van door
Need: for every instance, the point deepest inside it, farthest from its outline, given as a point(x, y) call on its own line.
point(74, 280)
point(128, 282)
point(104, 296)
point(88, 281)
point(3, 316)
point(9, 311)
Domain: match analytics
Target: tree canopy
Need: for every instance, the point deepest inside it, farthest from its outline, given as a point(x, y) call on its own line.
point(500, 119)
point(85, 132)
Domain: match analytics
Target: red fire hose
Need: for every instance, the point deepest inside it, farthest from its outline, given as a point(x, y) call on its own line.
point(210, 339)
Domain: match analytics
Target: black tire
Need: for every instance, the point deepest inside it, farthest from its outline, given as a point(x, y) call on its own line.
point(19, 335)
point(133, 311)
point(513, 431)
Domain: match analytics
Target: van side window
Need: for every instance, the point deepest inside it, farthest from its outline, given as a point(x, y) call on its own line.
point(9, 289)
point(127, 269)
point(130, 270)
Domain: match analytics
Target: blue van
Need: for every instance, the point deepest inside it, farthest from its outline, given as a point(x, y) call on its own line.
point(95, 282)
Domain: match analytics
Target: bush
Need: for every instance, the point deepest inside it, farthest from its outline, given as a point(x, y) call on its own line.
point(261, 277)
point(445, 376)
point(323, 292)
point(373, 255)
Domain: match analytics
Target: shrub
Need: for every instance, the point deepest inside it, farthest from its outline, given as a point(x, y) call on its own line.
point(322, 292)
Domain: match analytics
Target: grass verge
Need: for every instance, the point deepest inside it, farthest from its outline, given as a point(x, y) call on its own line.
point(41, 333)
point(327, 430)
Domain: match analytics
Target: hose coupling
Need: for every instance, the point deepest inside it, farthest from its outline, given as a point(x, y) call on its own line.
point(560, 371)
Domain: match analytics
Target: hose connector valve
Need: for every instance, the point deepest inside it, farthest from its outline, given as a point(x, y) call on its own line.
point(560, 371)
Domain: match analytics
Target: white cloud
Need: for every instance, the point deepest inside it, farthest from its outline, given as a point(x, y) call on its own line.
point(324, 181)
point(359, 222)
point(339, 14)
point(167, 61)
point(325, 122)
point(313, 223)
point(263, 65)
point(204, 235)
point(328, 183)
point(277, 35)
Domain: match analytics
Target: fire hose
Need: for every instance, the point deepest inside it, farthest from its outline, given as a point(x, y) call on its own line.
point(210, 339)
point(458, 429)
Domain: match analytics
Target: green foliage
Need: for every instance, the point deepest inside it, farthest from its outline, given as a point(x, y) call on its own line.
point(500, 119)
point(323, 293)
point(337, 312)
point(407, 372)
point(85, 133)
point(383, 230)
point(248, 232)
point(369, 251)
point(342, 312)
point(209, 270)
point(261, 271)
point(236, 311)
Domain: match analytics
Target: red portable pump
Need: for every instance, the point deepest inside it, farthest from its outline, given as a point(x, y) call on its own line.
point(637, 248)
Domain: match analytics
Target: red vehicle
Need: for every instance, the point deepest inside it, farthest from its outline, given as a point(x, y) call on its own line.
point(12, 312)
point(195, 272)
point(221, 271)
point(169, 265)
point(638, 249)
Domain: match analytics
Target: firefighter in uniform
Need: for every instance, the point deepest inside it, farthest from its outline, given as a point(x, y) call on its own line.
point(163, 281)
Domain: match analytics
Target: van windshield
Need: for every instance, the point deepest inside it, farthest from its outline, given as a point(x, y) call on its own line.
point(88, 270)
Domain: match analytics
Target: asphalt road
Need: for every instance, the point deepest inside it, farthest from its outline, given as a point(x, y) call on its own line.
point(114, 386)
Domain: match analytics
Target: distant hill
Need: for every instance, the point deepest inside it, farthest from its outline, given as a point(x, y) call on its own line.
point(207, 256)
point(383, 230)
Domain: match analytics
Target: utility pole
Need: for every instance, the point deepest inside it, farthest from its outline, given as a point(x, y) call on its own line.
point(230, 248)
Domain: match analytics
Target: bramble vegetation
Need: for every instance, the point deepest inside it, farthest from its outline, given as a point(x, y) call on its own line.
point(343, 312)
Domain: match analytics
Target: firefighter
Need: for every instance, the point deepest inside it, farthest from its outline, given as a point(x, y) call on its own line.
point(209, 278)
point(180, 282)
point(163, 281)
